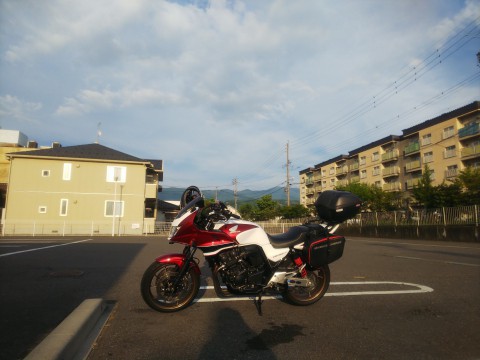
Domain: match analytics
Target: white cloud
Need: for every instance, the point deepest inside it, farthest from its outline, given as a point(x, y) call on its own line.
point(13, 108)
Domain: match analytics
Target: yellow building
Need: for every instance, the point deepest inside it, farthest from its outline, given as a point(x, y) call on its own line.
point(84, 189)
point(447, 144)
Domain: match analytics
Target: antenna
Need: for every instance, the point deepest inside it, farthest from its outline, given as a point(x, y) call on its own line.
point(99, 133)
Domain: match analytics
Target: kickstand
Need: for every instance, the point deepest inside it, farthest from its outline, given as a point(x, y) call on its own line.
point(258, 304)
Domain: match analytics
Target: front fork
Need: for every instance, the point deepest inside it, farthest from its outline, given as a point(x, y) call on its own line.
point(188, 253)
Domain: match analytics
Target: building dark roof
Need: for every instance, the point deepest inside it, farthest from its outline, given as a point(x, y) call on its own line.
point(88, 151)
point(383, 141)
point(444, 117)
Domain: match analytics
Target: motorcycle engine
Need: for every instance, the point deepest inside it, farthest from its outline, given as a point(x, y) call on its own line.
point(244, 267)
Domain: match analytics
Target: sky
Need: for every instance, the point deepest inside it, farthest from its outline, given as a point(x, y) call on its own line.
point(217, 89)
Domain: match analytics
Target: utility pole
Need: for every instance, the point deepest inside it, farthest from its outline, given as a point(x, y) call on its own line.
point(287, 189)
point(235, 183)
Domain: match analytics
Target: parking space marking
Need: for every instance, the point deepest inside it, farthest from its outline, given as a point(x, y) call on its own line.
point(437, 261)
point(419, 289)
point(44, 247)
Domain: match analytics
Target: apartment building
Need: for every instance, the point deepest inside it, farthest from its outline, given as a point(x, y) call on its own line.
point(447, 144)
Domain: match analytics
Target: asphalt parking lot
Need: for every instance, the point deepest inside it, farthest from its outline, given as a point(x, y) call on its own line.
point(389, 299)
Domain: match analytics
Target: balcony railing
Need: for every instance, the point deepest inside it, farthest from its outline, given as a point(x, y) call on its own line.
point(412, 148)
point(469, 130)
point(412, 182)
point(393, 186)
point(391, 171)
point(341, 170)
point(451, 173)
point(390, 155)
point(355, 179)
point(471, 151)
point(413, 165)
point(354, 166)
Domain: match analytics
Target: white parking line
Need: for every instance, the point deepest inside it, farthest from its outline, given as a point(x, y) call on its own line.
point(419, 289)
point(44, 247)
point(437, 261)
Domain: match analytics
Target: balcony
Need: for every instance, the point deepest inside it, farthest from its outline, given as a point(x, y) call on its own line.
point(354, 166)
point(341, 170)
point(151, 191)
point(391, 171)
point(309, 181)
point(450, 173)
point(412, 182)
point(393, 186)
point(471, 151)
point(413, 166)
point(469, 130)
point(354, 179)
point(390, 155)
point(414, 147)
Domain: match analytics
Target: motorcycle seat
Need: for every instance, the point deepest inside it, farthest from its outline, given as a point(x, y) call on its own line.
point(292, 237)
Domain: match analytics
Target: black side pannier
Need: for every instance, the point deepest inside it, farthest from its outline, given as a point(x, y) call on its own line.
point(322, 248)
point(337, 206)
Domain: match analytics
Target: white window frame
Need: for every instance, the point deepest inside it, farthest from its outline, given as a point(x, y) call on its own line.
point(116, 174)
point(42, 209)
point(67, 171)
point(376, 156)
point(363, 174)
point(448, 132)
point(119, 208)
point(63, 207)
point(450, 151)
point(426, 139)
point(376, 171)
point(363, 160)
point(428, 157)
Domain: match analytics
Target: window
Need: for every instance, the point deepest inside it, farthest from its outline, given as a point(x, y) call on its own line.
point(375, 156)
point(324, 172)
point(428, 157)
point(63, 207)
point(378, 184)
point(67, 171)
point(116, 174)
point(332, 170)
point(449, 152)
point(376, 171)
point(42, 209)
point(45, 173)
point(363, 160)
point(114, 207)
point(448, 132)
point(452, 171)
point(363, 174)
point(426, 139)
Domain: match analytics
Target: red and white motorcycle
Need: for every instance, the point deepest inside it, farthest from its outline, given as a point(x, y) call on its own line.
point(244, 259)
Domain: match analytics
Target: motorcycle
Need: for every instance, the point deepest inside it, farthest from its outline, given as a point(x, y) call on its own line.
point(243, 258)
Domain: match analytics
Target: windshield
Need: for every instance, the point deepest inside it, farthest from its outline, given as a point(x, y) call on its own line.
point(197, 202)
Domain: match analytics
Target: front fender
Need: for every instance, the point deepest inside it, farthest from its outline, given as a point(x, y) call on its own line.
point(177, 259)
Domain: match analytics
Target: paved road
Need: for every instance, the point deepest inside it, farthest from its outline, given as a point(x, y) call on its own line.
point(380, 304)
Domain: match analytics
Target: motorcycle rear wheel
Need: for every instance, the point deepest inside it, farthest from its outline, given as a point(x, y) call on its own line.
point(157, 287)
point(320, 280)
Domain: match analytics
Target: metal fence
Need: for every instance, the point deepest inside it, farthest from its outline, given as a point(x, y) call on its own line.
point(462, 215)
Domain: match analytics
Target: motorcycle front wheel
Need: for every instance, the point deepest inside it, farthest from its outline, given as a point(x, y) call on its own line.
point(319, 282)
point(158, 289)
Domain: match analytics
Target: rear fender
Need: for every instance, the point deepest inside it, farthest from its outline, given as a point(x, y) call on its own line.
point(177, 259)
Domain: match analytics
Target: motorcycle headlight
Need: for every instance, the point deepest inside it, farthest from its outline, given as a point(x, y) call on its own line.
point(173, 231)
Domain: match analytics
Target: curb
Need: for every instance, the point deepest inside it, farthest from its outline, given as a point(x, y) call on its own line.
point(69, 337)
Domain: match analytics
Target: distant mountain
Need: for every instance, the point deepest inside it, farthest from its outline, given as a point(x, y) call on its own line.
point(244, 196)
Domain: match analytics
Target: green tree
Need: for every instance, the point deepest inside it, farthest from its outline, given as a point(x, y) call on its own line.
point(469, 180)
point(373, 197)
point(294, 212)
point(424, 191)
